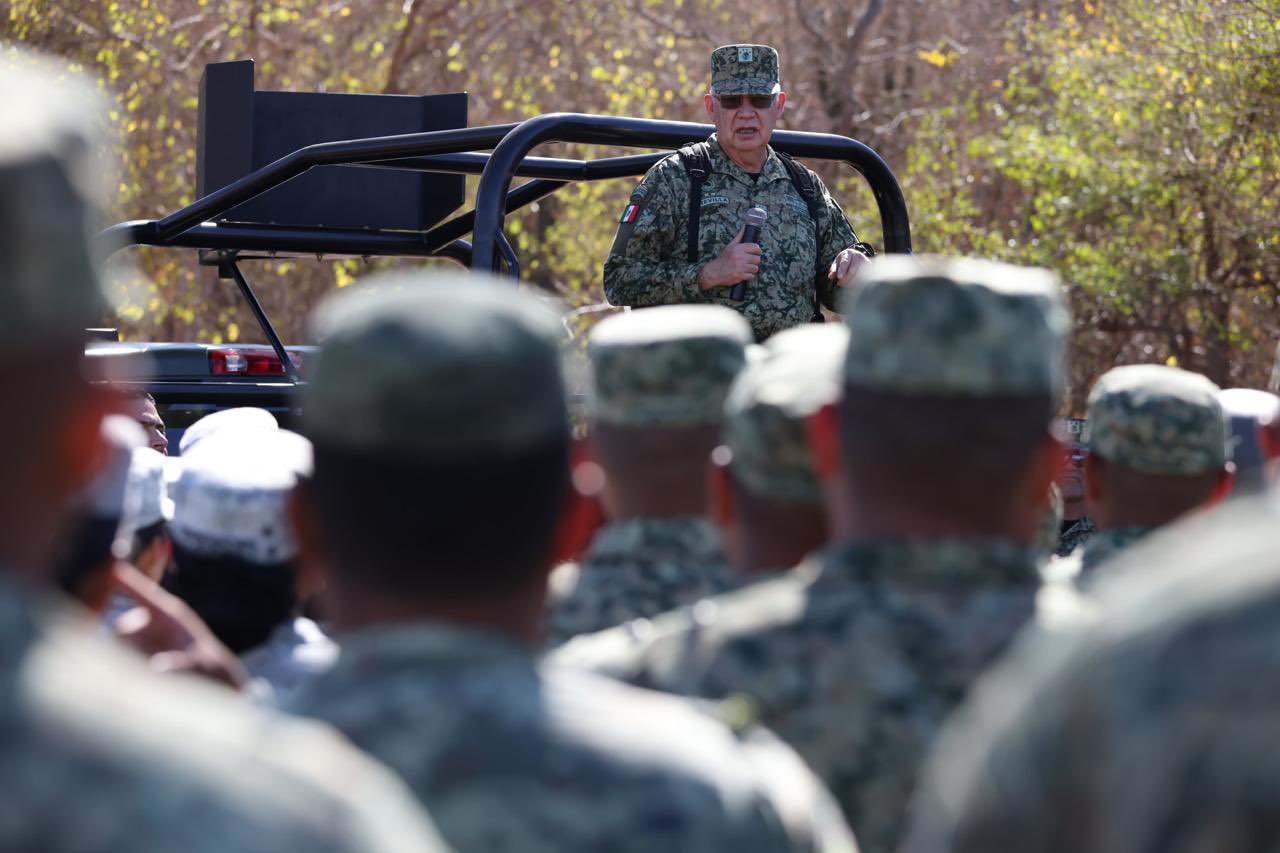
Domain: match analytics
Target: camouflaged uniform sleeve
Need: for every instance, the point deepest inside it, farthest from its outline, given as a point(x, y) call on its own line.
point(646, 264)
point(836, 235)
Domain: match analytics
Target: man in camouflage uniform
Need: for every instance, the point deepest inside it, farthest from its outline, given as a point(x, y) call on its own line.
point(1076, 527)
point(1158, 448)
point(99, 753)
point(439, 595)
point(788, 272)
point(766, 495)
point(1147, 727)
point(656, 403)
point(953, 372)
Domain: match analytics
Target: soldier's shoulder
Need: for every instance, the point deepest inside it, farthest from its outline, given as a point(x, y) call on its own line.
point(669, 171)
point(671, 649)
point(181, 760)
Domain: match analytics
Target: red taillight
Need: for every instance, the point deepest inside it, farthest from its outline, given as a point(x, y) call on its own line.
point(234, 362)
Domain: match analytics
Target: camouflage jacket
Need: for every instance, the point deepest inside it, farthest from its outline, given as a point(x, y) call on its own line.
point(1100, 547)
point(854, 658)
point(1075, 536)
point(297, 651)
point(635, 569)
point(101, 754)
point(510, 755)
point(1148, 728)
point(648, 263)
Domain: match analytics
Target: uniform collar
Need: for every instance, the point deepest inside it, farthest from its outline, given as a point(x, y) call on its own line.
point(376, 647)
point(948, 560)
point(690, 539)
point(773, 169)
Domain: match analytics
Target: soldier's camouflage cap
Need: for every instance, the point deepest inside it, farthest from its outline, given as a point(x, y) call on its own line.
point(437, 367)
point(770, 403)
point(669, 366)
point(1157, 420)
point(51, 191)
point(744, 69)
point(938, 326)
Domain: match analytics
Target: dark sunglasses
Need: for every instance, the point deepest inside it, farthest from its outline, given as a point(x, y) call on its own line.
point(733, 102)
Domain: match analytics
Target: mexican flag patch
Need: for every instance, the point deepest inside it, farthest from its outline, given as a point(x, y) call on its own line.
point(629, 214)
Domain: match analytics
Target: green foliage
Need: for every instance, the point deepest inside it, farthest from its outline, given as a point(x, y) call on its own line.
point(1136, 151)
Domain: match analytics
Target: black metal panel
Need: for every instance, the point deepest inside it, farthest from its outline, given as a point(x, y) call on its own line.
point(242, 130)
point(224, 129)
point(266, 178)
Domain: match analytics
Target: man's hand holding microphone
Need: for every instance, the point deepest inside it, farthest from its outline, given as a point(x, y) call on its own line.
point(740, 260)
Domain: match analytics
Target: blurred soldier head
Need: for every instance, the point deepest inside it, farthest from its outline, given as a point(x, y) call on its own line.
point(1254, 419)
point(746, 98)
point(235, 554)
point(141, 406)
point(437, 409)
point(953, 373)
point(104, 518)
point(50, 195)
point(659, 378)
point(150, 549)
point(1158, 446)
point(766, 495)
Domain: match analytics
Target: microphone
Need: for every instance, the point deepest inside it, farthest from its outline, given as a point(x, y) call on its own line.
point(756, 217)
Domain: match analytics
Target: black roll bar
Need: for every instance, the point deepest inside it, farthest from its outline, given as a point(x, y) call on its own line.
point(455, 151)
point(495, 181)
point(326, 154)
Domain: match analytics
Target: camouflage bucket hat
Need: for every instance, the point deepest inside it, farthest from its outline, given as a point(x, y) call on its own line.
point(1158, 420)
point(745, 69)
point(51, 191)
point(932, 325)
point(438, 367)
point(769, 405)
point(667, 366)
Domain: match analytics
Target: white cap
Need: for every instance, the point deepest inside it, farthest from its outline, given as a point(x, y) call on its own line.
point(147, 479)
point(231, 499)
point(240, 420)
point(110, 495)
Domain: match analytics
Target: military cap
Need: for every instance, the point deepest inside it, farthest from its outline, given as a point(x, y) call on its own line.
point(231, 499)
point(50, 193)
point(669, 366)
point(147, 480)
point(769, 405)
point(242, 419)
point(744, 69)
point(111, 495)
point(437, 366)
point(1157, 420)
point(937, 326)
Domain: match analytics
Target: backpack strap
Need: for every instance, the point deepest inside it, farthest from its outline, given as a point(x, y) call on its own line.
point(802, 179)
point(696, 159)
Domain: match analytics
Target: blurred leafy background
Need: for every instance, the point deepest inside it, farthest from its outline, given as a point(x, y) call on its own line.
point(1133, 146)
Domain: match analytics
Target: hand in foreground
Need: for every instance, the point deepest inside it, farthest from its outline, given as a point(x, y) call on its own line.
point(846, 266)
point(170, 633)
point(738, 262)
